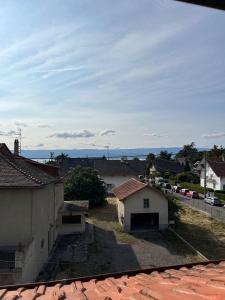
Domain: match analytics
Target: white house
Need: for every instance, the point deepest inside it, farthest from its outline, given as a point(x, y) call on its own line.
point(31, 195)
point(215, 174)
point(112, 172)
point(141, 206)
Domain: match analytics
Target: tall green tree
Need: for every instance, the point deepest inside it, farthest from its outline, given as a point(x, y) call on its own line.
point(83, 183)
point(61, 158)
point(190, 152)
point(150, 157)
point(216, 151)
point(165, 155)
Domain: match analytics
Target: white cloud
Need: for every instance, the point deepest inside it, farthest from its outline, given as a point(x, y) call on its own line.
point(44, 126)
point(107, 132)
point(214, 135)
point(8, 133)
point(40, 145)
point(74, 135)
point(21, 124)
point(155, 135)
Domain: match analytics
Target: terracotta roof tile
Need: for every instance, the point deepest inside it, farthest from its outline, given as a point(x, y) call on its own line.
point(18, 171)
point(196, 282)
point(128, 188)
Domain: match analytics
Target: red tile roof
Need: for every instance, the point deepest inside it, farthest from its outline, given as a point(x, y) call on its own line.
point(218, 167)
point(18, 171)
point(195, 281)
point(128, 188)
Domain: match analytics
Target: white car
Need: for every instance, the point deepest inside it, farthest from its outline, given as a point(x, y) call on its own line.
point(212, 201)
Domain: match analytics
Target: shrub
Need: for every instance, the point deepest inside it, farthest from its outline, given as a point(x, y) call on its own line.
point(84, 184)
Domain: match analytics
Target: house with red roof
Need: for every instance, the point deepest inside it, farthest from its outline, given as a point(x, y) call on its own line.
point(141, 206)
point(215, 174)
point(31, 195)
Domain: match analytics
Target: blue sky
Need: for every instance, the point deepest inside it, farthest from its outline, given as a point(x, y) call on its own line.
point(84, 74)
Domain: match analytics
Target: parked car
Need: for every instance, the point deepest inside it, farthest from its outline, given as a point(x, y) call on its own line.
point(212, 201)
point(184, 192)
point(176, 189)
point(192, 194)
point(166, 186)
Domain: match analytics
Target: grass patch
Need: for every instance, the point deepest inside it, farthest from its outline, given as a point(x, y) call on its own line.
point(175, 244)
point(206, 234)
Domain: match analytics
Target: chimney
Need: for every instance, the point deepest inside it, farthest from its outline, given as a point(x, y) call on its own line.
point(16, 147)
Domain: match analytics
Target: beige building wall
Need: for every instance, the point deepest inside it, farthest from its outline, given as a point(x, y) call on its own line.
point(28, 216)
point(134, 204)
point(115, 180)
point(15, 216)
point(72, 228)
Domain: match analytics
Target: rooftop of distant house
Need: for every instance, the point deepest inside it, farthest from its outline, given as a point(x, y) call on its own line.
point(218, 166)
point(163, 165)
point(193, 281)
point(107, 167)
point(17, 171)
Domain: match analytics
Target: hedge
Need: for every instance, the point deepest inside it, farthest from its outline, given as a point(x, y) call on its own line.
point(200, 189)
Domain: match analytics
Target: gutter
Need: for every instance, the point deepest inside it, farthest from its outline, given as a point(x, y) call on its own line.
point(107, 275)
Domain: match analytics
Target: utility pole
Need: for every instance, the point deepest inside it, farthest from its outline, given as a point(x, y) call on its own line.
point(107, 147)
point(205, 175)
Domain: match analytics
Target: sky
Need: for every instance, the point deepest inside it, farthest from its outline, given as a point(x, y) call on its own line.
point(127, 74)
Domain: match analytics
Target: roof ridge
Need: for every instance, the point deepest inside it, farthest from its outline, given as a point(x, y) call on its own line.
point(15, 166)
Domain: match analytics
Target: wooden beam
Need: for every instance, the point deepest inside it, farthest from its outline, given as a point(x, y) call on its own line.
point(219, 4)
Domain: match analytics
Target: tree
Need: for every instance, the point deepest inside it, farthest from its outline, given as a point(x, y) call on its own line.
point(165, 155)
point(190, 152)
point(61, 158)
point(150, 157)
point(216, 152)
point(83, 183)
point(136, 158)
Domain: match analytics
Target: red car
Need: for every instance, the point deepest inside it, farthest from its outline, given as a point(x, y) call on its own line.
point(184, 192)
point(192, 194)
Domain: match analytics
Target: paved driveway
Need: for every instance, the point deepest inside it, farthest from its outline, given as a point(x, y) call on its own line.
point(116, 251)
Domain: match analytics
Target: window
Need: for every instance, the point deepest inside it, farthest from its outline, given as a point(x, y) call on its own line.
point(146, 203)
point(42, 243)
point(71, 219)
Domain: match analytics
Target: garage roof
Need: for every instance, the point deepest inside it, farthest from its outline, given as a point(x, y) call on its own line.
point(193, 281)
point(128, 188)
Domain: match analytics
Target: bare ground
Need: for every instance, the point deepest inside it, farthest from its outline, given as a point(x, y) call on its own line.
point(114, 250)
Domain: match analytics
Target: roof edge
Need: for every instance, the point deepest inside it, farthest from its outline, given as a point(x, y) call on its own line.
point(104, 276)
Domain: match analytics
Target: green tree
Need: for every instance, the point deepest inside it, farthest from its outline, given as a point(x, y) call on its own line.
point(165, 155)
point(150, 157)
point(61, 158)
point(136, 158)
point(216, 151)
point(187, 167)
point(83, 183)
point(190, 152)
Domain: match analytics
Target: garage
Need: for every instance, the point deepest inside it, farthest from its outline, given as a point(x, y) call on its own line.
point(144, 221)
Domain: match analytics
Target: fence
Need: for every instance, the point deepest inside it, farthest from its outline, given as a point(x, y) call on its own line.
point(215, 212)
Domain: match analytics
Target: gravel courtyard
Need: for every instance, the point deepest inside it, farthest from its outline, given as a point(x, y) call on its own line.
point(116, 251)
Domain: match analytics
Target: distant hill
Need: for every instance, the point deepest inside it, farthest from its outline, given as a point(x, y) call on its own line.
point(113, 153)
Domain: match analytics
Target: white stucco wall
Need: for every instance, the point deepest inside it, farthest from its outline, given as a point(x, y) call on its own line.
point(134, 204)
point(115, 180)
point(72, 228)
point(212, 180)
point(120, 211)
